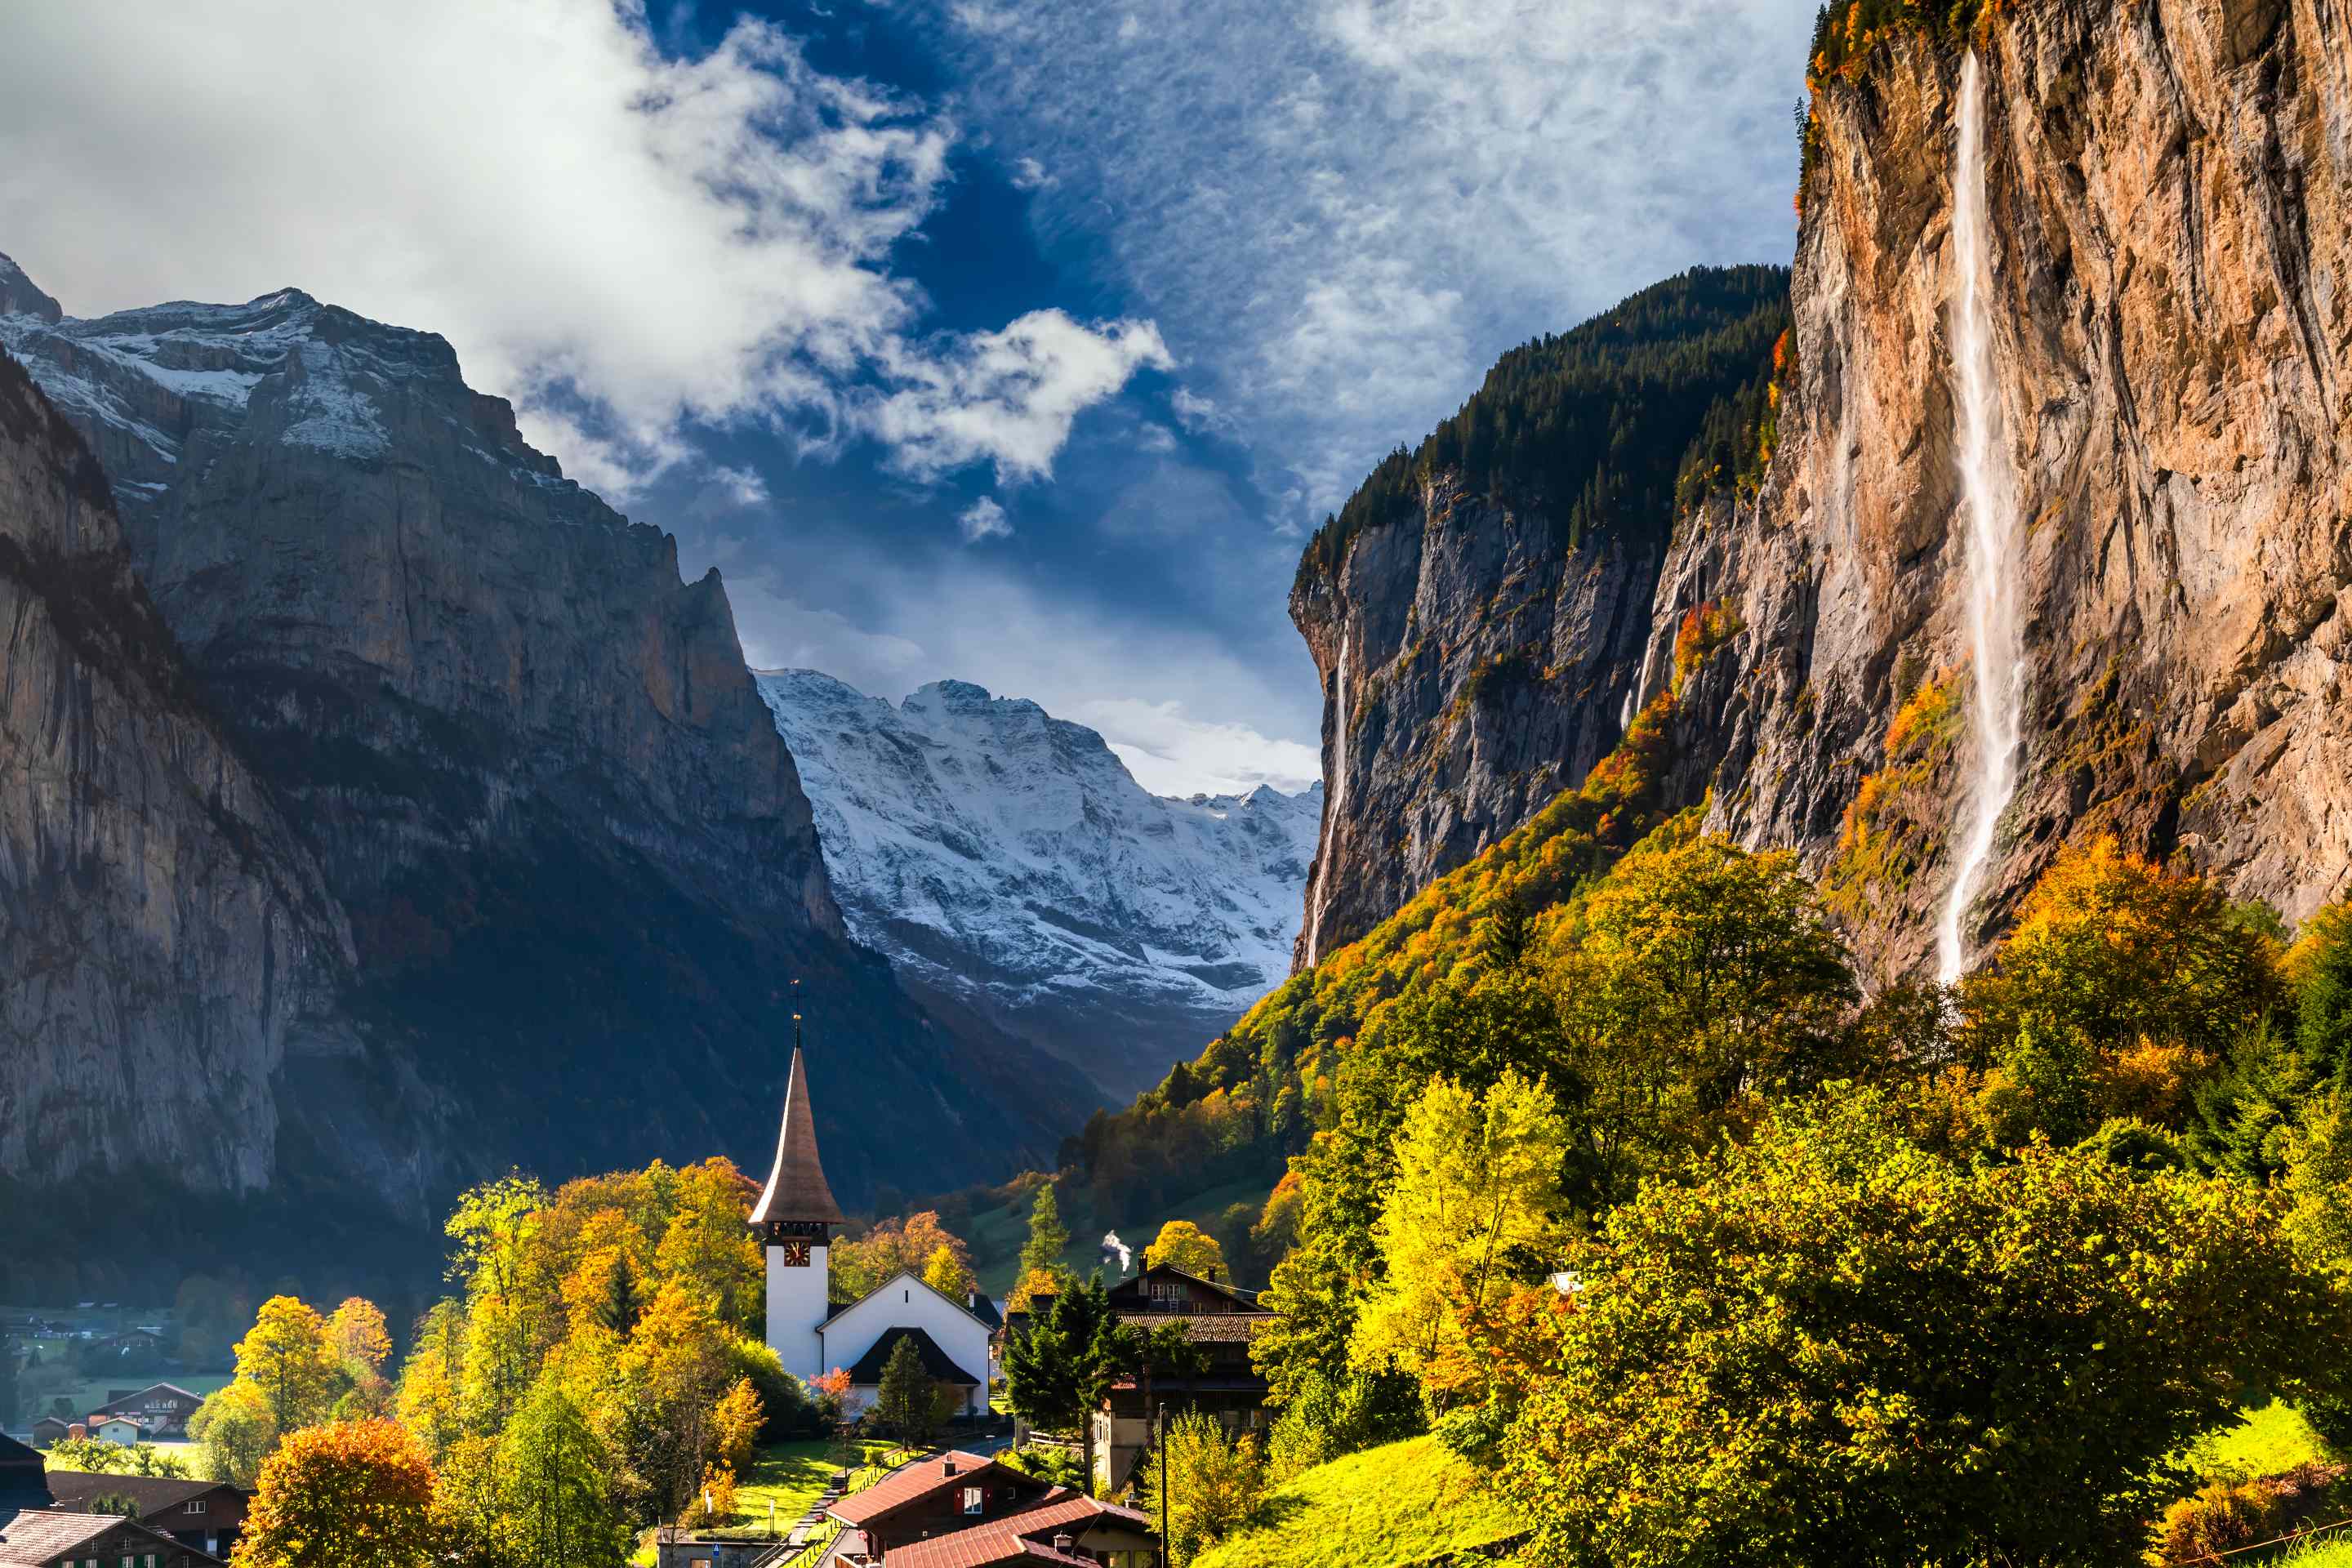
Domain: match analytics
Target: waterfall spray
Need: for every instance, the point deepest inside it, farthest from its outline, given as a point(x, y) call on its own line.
point(1335, 797)
point(1996, 655)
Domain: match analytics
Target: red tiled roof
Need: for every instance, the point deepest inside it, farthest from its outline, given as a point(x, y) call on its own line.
point(918, 1480)
point(1012, 1539)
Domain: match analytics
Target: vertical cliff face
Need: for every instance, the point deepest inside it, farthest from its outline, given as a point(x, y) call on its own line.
point(1473, 667)
point(2171, 312)
point(1479, 608)
point(166, 933)
point(581, 879)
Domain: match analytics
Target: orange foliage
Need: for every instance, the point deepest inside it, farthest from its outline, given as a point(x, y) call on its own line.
point(351, 1494)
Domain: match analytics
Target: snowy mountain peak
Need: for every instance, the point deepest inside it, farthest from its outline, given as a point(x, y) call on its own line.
point(1007, 858)
point(20, 296)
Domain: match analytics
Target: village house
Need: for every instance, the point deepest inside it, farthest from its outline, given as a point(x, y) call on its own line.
point(954, 1492)
point(1066, 1527)
point(206, 1516)
point(46, 1538)
point(51, 1429)
point(1221, 1321)
point(162, 1409)
point(123, 1431)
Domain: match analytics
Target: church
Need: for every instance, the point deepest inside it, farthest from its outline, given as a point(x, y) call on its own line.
point(796, 1219)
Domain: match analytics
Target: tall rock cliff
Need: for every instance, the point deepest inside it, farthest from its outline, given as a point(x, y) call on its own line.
point(2169, 194)
point(582, 880)
point(1479, 609)
point(1007, 858)
point(163, 931)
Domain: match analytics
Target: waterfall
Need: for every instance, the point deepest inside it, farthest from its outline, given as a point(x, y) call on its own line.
point(1334, 799)
point(1996, 655)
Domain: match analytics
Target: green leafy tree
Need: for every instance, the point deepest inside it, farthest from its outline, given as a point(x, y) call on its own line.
point(236, 1432)
point(1328, 1417)
point(557, 1508)
point(1980, 1363)
point(1215, 1483)
point(1048, 1236)
point(2320, 967)
point(1474, 1209)
point(1695, 975)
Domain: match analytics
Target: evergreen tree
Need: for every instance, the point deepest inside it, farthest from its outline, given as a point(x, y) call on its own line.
point(1048, 1236)
point(909, 1405)
point(2321, 967)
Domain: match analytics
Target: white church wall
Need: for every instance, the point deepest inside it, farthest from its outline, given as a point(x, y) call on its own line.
point(905, 1302)
point(798, 1300)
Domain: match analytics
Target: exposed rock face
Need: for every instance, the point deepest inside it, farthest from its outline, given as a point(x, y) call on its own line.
point(2170, 192)
point(2171, 197)
point(164, 931)
point(1007, 858)
point(1473, 669)
point(580, 878)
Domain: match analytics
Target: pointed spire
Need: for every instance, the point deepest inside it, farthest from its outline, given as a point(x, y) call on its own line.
point(796, 1185)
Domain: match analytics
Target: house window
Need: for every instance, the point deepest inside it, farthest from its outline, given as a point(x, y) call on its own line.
point(196, 1507)
point(973, 1497)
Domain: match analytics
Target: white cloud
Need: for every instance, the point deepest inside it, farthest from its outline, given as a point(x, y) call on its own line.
point(741, 486)
point(1028, 174)
point(1195, 413)
point(1172, 753)
point(1340, 211)
point(618, 239)
point(1009, 397)
point(983, 518)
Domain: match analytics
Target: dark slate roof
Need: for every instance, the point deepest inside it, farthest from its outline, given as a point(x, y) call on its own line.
point(937, 1365)
point(796, 1188)
point(986, 1310)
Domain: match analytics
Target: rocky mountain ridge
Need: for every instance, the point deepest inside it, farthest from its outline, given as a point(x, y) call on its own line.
point(578, 877)
point(1008, 858)
point(2171, 291)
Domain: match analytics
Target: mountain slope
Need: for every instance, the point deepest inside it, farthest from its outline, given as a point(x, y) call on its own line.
point(1479, 608)
point(1008, 859)
point(580, 874)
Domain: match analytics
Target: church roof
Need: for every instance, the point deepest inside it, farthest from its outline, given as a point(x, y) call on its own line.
point(797, 1187)
point(937, 1365)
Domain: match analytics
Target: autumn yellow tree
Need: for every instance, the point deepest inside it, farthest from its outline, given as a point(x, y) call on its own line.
point(947, 1274)
point(1184, 1245)
point(429, 1401)
point(1475, 1209)
point(349, 1495)
point(287, 1359)
point(861, 1265)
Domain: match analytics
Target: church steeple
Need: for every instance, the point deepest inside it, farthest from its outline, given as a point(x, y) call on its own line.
point(797, 1200)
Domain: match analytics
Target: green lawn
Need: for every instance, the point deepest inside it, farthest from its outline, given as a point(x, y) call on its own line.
point(1401, 1503)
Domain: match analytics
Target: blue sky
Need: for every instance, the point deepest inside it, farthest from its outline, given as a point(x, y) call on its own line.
point(1016, 342)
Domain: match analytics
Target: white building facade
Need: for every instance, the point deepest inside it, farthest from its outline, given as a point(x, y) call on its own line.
point(954, 1342)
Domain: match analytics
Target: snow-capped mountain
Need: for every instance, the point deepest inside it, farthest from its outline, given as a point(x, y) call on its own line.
point(1007, 858)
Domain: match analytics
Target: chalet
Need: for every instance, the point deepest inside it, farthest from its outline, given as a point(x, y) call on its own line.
point(1065, 1527)
point(955, 1492)
point(1221, 1321)
point(45, 1538)
point(24, 1482)
point(163, 1409)
point(206, 1516)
